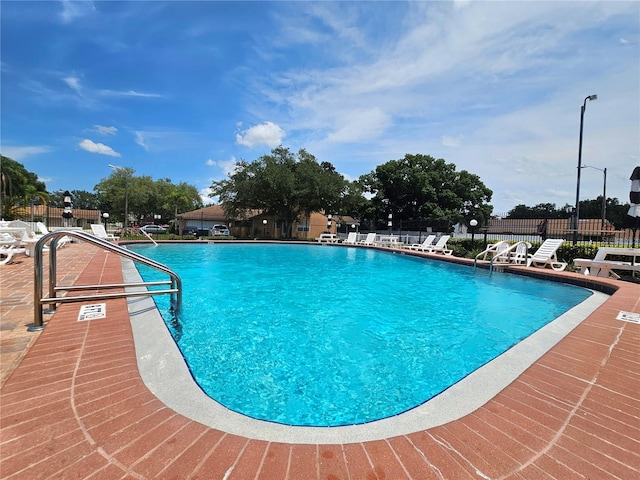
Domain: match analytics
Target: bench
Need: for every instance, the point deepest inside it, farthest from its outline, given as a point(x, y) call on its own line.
point(601, 267)
point(388, 241)
point(328, 237)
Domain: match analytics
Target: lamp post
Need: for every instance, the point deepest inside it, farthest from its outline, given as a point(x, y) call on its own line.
point(105, 215)
point(125, 223)
point(604, 193)
point(390, 223)
point(264, 228)
point(473, 223)
point(577, 218)
point(329, 223)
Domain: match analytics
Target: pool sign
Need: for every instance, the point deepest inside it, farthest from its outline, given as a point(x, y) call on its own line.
point(92, 312)
point(629, 317)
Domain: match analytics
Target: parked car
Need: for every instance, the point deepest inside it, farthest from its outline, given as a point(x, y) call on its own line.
point(190, 230)
point(220, 230)
point(153, 229)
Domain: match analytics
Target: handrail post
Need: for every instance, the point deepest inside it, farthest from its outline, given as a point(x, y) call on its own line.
point(53, 237)
point(38, 323)
point(52, 273)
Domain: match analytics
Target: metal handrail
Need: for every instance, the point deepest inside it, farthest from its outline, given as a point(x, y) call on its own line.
point(175, 283)
point(504, 255)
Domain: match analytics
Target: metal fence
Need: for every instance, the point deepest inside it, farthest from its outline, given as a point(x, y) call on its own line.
point(590, 231)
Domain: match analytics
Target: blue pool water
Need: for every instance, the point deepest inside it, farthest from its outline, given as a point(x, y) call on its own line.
point(327, 336)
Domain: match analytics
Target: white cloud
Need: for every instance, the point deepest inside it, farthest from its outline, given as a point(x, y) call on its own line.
point(18, 153)
point(75, 9)
point(99, 148)
point(448, 141)
point(102, 130)
point(140, 140)
point(268, 134)
point(360, 125)
point(128, 93)
point(227, 166)
point(204, 196)
point(73, 83)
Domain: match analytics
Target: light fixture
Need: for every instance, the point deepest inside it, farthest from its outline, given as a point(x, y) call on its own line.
point(577, 216)
point(473, 223)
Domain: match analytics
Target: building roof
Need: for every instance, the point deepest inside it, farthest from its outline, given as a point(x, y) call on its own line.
point(213, 213)
point(210, 212)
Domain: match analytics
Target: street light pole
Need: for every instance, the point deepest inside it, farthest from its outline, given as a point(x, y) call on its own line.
point(577, 217)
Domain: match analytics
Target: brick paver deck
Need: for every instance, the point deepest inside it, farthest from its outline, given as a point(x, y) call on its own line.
point(75, 407)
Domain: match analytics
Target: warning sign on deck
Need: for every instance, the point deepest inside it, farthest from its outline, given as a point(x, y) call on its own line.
point(628, 317)
point(92, 312)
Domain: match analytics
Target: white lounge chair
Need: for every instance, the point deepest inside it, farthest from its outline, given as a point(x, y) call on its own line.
point(44, 231)
point(28, 233)
point(351, 239)
point(521, 254)
point(516, 254)
point(100, 232)
point(428, 242)
point(29, 238)
point(10, 237)
point(440, 246)
point(370, 240)
point(546, 255)
point(494, 251)
point(7, 253)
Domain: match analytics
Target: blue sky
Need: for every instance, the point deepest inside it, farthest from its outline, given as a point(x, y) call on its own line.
point(182, 90)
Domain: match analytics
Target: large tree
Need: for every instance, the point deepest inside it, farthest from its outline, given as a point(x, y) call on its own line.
point(79, 198)
point(422, 189)
point(144, 198)
point(18, 188)
point(281, 184)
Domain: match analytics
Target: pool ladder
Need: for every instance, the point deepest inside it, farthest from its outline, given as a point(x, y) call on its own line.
point(174, 282)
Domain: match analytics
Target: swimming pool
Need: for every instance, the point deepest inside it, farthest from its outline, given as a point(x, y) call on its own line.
point(310, 335)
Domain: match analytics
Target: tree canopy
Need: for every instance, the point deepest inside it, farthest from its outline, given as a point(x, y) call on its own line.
point(424, 189)
point(18, 187)
point(616, 212)
point(80, 199)
point(144, 198)
point(282, 184)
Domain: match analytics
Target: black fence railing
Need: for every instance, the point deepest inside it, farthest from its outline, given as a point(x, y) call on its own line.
point(590, 231)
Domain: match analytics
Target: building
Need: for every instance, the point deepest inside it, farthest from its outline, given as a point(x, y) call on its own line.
point(256, 224)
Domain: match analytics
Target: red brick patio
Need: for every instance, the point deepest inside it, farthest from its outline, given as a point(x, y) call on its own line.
point(76, 407)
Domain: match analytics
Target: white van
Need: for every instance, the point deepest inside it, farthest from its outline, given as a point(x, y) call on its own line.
point(220, 230)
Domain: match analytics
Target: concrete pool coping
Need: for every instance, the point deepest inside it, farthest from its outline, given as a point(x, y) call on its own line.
point(159, 358)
